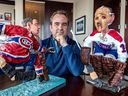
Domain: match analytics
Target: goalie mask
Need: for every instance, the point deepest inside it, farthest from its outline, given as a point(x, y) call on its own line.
point(103, 18)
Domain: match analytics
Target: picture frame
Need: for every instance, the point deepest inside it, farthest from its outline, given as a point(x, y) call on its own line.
point(8, 16)
point(1, 17)
point(80, 25)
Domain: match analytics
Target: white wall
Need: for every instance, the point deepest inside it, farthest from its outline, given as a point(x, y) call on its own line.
point(7, 8)
point(122, 17)
point(18, 12)
point(81, 8)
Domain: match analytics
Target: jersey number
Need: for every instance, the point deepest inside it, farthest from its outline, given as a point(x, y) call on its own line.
point(123, 47)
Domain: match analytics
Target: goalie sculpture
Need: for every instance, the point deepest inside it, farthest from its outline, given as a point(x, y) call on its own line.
point(108, 50)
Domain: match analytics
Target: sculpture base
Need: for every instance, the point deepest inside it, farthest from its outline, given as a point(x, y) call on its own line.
point(105, 87)
point(34, 88)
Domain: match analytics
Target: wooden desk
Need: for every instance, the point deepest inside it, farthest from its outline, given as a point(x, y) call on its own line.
point(5, 82)
point(76, 86)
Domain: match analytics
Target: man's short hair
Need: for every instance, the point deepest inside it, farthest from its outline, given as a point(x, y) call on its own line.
point(26, 20)
point(61, 12)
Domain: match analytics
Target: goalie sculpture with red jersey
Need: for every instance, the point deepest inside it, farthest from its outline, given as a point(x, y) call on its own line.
point(16, 44)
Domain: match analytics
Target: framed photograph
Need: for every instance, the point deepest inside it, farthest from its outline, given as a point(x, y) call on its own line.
point(7, 16)
point(1, 17)
point(80, 25)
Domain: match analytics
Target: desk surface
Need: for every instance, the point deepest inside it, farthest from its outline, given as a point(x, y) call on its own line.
point(75, 86)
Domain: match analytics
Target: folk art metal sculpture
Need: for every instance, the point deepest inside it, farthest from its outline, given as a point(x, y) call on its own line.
point(16, 44)
point(104, 53)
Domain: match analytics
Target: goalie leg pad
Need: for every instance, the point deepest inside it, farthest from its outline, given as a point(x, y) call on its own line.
point(108, 65)
point(85, 55)
point(118, 74)
point(97, 64)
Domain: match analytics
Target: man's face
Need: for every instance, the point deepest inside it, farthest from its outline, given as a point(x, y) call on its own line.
point(35, 27)
point(59, 25)
point(102, 18)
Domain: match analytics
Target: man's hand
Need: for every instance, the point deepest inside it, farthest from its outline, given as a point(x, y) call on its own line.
point(61, 40)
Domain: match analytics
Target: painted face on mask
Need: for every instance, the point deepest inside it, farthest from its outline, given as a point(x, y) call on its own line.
point(103, 18)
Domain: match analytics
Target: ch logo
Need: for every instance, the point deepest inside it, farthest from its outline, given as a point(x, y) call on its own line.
point(25, 42)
